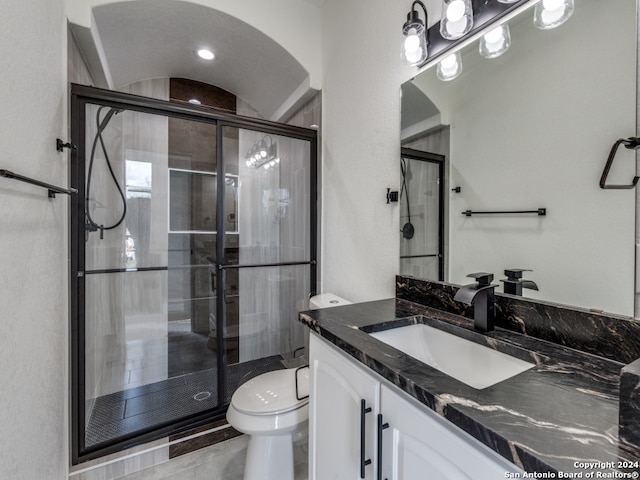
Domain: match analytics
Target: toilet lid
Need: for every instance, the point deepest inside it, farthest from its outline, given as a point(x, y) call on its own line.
point(273, 392)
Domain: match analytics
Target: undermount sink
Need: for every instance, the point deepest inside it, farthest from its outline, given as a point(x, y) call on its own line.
point(476, 365)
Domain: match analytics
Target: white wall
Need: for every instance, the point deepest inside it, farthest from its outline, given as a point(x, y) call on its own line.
point(533, 129)
point(33, 242)
point(362, 74)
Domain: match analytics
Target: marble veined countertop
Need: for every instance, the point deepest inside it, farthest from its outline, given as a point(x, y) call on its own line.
point(560, 417)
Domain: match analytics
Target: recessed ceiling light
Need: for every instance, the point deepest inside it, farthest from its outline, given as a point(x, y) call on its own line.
point(195, 101)
point(206, 54)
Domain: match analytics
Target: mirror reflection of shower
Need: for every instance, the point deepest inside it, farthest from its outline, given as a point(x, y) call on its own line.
point(421, 214)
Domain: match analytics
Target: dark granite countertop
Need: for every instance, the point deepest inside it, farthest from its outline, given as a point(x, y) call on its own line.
point(560, 416)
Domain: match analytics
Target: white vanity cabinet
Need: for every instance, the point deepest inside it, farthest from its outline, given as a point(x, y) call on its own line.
point(416, 443)
point(344, 401)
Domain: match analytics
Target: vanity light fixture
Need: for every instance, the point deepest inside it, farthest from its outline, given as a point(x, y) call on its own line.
point(205, 54)
point(550, 14)
point(414, 47)
point(495, 42)
point(263, 153)
point(449, 67)
point(457, 18)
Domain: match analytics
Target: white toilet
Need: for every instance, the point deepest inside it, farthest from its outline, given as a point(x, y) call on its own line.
point(273, 408)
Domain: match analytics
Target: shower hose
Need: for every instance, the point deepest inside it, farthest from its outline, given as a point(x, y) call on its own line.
point(90, 223)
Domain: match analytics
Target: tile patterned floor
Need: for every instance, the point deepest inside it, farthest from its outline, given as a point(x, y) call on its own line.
point(223, 461)
point(125, 412)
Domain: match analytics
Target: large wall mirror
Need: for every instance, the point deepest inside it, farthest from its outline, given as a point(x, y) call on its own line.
point(532, 129)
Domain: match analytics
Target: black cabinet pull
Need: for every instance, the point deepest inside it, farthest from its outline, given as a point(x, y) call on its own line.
point(363, 411)
point(381, 426)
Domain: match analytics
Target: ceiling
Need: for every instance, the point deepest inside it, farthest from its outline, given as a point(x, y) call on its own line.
point(159, 38)
point(416, 106)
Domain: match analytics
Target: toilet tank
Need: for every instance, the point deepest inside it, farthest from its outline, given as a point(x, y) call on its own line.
point(325, 300)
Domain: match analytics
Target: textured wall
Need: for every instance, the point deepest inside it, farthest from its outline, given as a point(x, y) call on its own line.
point(362, 73)
point(33, 243)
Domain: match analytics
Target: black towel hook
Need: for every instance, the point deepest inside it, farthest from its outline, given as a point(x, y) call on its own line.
point(632, 143)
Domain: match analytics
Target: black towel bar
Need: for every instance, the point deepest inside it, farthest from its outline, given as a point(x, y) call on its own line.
point(51, 188)
point(540, 212)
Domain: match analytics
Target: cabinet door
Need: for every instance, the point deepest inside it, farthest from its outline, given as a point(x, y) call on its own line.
point(419, 444)
point(338, 387)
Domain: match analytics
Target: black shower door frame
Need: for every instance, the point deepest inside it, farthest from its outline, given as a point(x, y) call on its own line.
point(81, 96)
point(439, 161)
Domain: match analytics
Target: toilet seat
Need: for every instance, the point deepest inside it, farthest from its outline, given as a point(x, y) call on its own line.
point(273, 393)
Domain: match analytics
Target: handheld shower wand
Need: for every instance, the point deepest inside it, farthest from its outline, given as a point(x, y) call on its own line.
point(90, 224)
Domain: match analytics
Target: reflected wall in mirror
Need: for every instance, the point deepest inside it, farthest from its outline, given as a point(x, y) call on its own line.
point(532, 129)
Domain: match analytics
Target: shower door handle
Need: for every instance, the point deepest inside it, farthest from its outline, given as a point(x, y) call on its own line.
point(363, 412)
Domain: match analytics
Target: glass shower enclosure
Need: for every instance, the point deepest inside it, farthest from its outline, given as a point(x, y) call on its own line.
point(422, 214)
point(193, 248)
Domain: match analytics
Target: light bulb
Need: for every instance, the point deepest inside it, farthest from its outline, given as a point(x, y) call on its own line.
point(413, 58)
point(414, 49)
point(552, 4)
point(412, 42)
point(495, 35)
point(449, 62)
point(455, 11)
point(552, 13)
point(457, 18)
point(449, 67)
point(495, 42)
point(263, 153)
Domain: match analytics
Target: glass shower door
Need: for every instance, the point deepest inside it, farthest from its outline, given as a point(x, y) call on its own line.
point(189, 263)
point(147, 285)
point(422, 215)
point(267, 259)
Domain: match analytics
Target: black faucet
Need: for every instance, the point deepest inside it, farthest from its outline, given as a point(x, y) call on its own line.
point(514, 282)
point(481, 296)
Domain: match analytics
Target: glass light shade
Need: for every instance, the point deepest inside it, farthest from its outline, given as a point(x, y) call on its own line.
point(457, 18)
point(495, 42)
point(552, 13)
point(449, 67)
point(508, 1)
point(414, 48)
